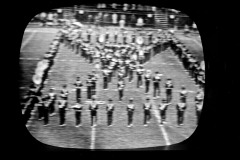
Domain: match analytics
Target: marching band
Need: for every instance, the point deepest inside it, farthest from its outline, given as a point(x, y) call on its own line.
point(123, 59)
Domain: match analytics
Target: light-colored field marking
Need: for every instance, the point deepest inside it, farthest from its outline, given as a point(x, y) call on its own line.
point(41, 30)
point(27, 40)
point(165, 135)
point(93, 137)
point(34, 59)
point(183, 135)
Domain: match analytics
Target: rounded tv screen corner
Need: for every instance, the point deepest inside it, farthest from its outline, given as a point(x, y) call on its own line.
point(111, 76)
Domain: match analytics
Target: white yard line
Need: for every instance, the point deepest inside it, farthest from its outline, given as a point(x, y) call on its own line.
point(22, 58)
point(28, 39)
point(41, 30)
point(93, 136)
point(165, 135)
point(194, 40)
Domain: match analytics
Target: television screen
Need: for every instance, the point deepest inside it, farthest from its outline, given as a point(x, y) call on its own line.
point(111, 76)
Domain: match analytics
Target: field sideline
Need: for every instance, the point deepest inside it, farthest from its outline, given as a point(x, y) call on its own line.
point(69, 65)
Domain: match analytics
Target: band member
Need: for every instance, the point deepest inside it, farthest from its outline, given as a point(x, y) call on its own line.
point(156, 84)
point(140, 71)
point(64, 92)
point(105, 79)
point(110, 74)
point(199, 104)
point(94, 82)
point(62, 105)
point(131, 70)
point(110, 109)
point(120, 74)
point(147, 111)
point(130, 111)
point(141, 56)
point(147, 80)
point(89, 87)
point(93, 107)
point(163, 108)
point(181, 107)
point(169, 87)
point(40, 106)
point(121, 86)
point(127, 65)
point(78, 84)
point(46, 110)
point(52, 98)
point(183, 94)
point(78, 111)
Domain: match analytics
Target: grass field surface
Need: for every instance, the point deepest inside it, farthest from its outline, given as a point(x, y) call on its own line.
point(68, 66)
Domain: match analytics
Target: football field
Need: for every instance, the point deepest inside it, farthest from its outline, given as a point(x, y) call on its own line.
point(67, 66)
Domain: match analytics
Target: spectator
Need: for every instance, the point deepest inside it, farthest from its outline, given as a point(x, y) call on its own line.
point(90, 18)
point(154, 8)
point(140, 22)
point(50, 17)
point(123, 16)
point(114, 18)
point(133, 19)
point(105, 18)
point(122, 23)
point(114, 6)
point(103, 5)
point(133, 7)
point(43, 17)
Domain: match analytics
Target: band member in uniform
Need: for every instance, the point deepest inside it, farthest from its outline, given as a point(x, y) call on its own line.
point(94, 82)
point(40, 106)
point(52, 98)
point(183, 94)
point(156, 84)
point(120, 88)
point(78, 111)
point(163, 108)
point(62, 105)
point(110, 74)
point(131, 70)
point(78, 84)
point(140, 71)
point(93, 107)
point(199, 104)
point(181, 107)
point(64, 92)
point(89, 87)
point(147, 80)
point(110, 109)
point(130, 111)
point(105, 79)
point(147, 111)
point(169, 87)
point(46, 110)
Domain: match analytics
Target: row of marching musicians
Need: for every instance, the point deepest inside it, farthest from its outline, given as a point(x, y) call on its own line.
point(47, 103)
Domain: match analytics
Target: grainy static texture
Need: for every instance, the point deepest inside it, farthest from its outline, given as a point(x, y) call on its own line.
point(69, 65)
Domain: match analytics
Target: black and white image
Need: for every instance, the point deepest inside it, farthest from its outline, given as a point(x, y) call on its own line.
point(111, 76)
